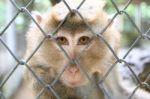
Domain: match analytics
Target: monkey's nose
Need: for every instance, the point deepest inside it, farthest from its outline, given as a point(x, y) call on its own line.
point(72, 56)
point(73, 68)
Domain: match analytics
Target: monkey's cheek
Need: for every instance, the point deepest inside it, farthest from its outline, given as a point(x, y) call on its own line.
point(73, 81)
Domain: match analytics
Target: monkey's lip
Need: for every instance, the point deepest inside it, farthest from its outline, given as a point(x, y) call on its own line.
point(73, 83)
point(75, 80)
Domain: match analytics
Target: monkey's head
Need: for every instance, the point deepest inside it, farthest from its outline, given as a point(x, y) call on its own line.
point(79, 49)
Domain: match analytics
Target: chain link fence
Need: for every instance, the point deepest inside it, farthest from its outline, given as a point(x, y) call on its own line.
point(119, 12)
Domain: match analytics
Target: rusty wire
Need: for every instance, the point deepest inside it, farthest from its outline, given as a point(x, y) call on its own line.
point(49, 87)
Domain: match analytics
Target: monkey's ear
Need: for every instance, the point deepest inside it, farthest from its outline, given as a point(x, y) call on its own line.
point(37, 16)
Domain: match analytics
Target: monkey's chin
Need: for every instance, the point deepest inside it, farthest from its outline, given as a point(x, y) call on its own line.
point(73, 83)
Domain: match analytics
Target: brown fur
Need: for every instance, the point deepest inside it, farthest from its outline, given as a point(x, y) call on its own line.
point(49, 60)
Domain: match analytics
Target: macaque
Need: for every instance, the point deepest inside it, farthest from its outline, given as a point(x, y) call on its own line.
point(73, 59)
point(86, 52)
point(74, 51)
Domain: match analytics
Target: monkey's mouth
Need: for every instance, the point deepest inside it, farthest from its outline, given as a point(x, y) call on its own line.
point(73, 79)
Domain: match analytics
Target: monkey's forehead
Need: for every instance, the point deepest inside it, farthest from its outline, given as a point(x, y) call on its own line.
point(90, 9)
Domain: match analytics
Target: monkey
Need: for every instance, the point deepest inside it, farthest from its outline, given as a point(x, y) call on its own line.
point(73, 37)
point(72, 58)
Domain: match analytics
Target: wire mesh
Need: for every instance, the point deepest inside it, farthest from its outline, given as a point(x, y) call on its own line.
point(49, 87)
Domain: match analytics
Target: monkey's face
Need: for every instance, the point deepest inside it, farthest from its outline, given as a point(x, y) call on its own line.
point(79, 46)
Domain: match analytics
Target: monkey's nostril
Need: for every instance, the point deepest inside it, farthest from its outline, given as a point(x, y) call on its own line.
point(73, 69)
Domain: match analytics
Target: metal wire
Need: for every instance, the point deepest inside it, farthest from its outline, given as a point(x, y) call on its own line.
point(49, 87)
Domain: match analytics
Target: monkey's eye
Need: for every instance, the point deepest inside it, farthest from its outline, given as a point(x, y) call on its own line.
point(83, 40)
point(62, 40)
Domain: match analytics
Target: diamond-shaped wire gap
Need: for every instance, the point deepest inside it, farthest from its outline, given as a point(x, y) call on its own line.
point(139, 35)
point(10, 36)
point(40, 40)
point(134, 25)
